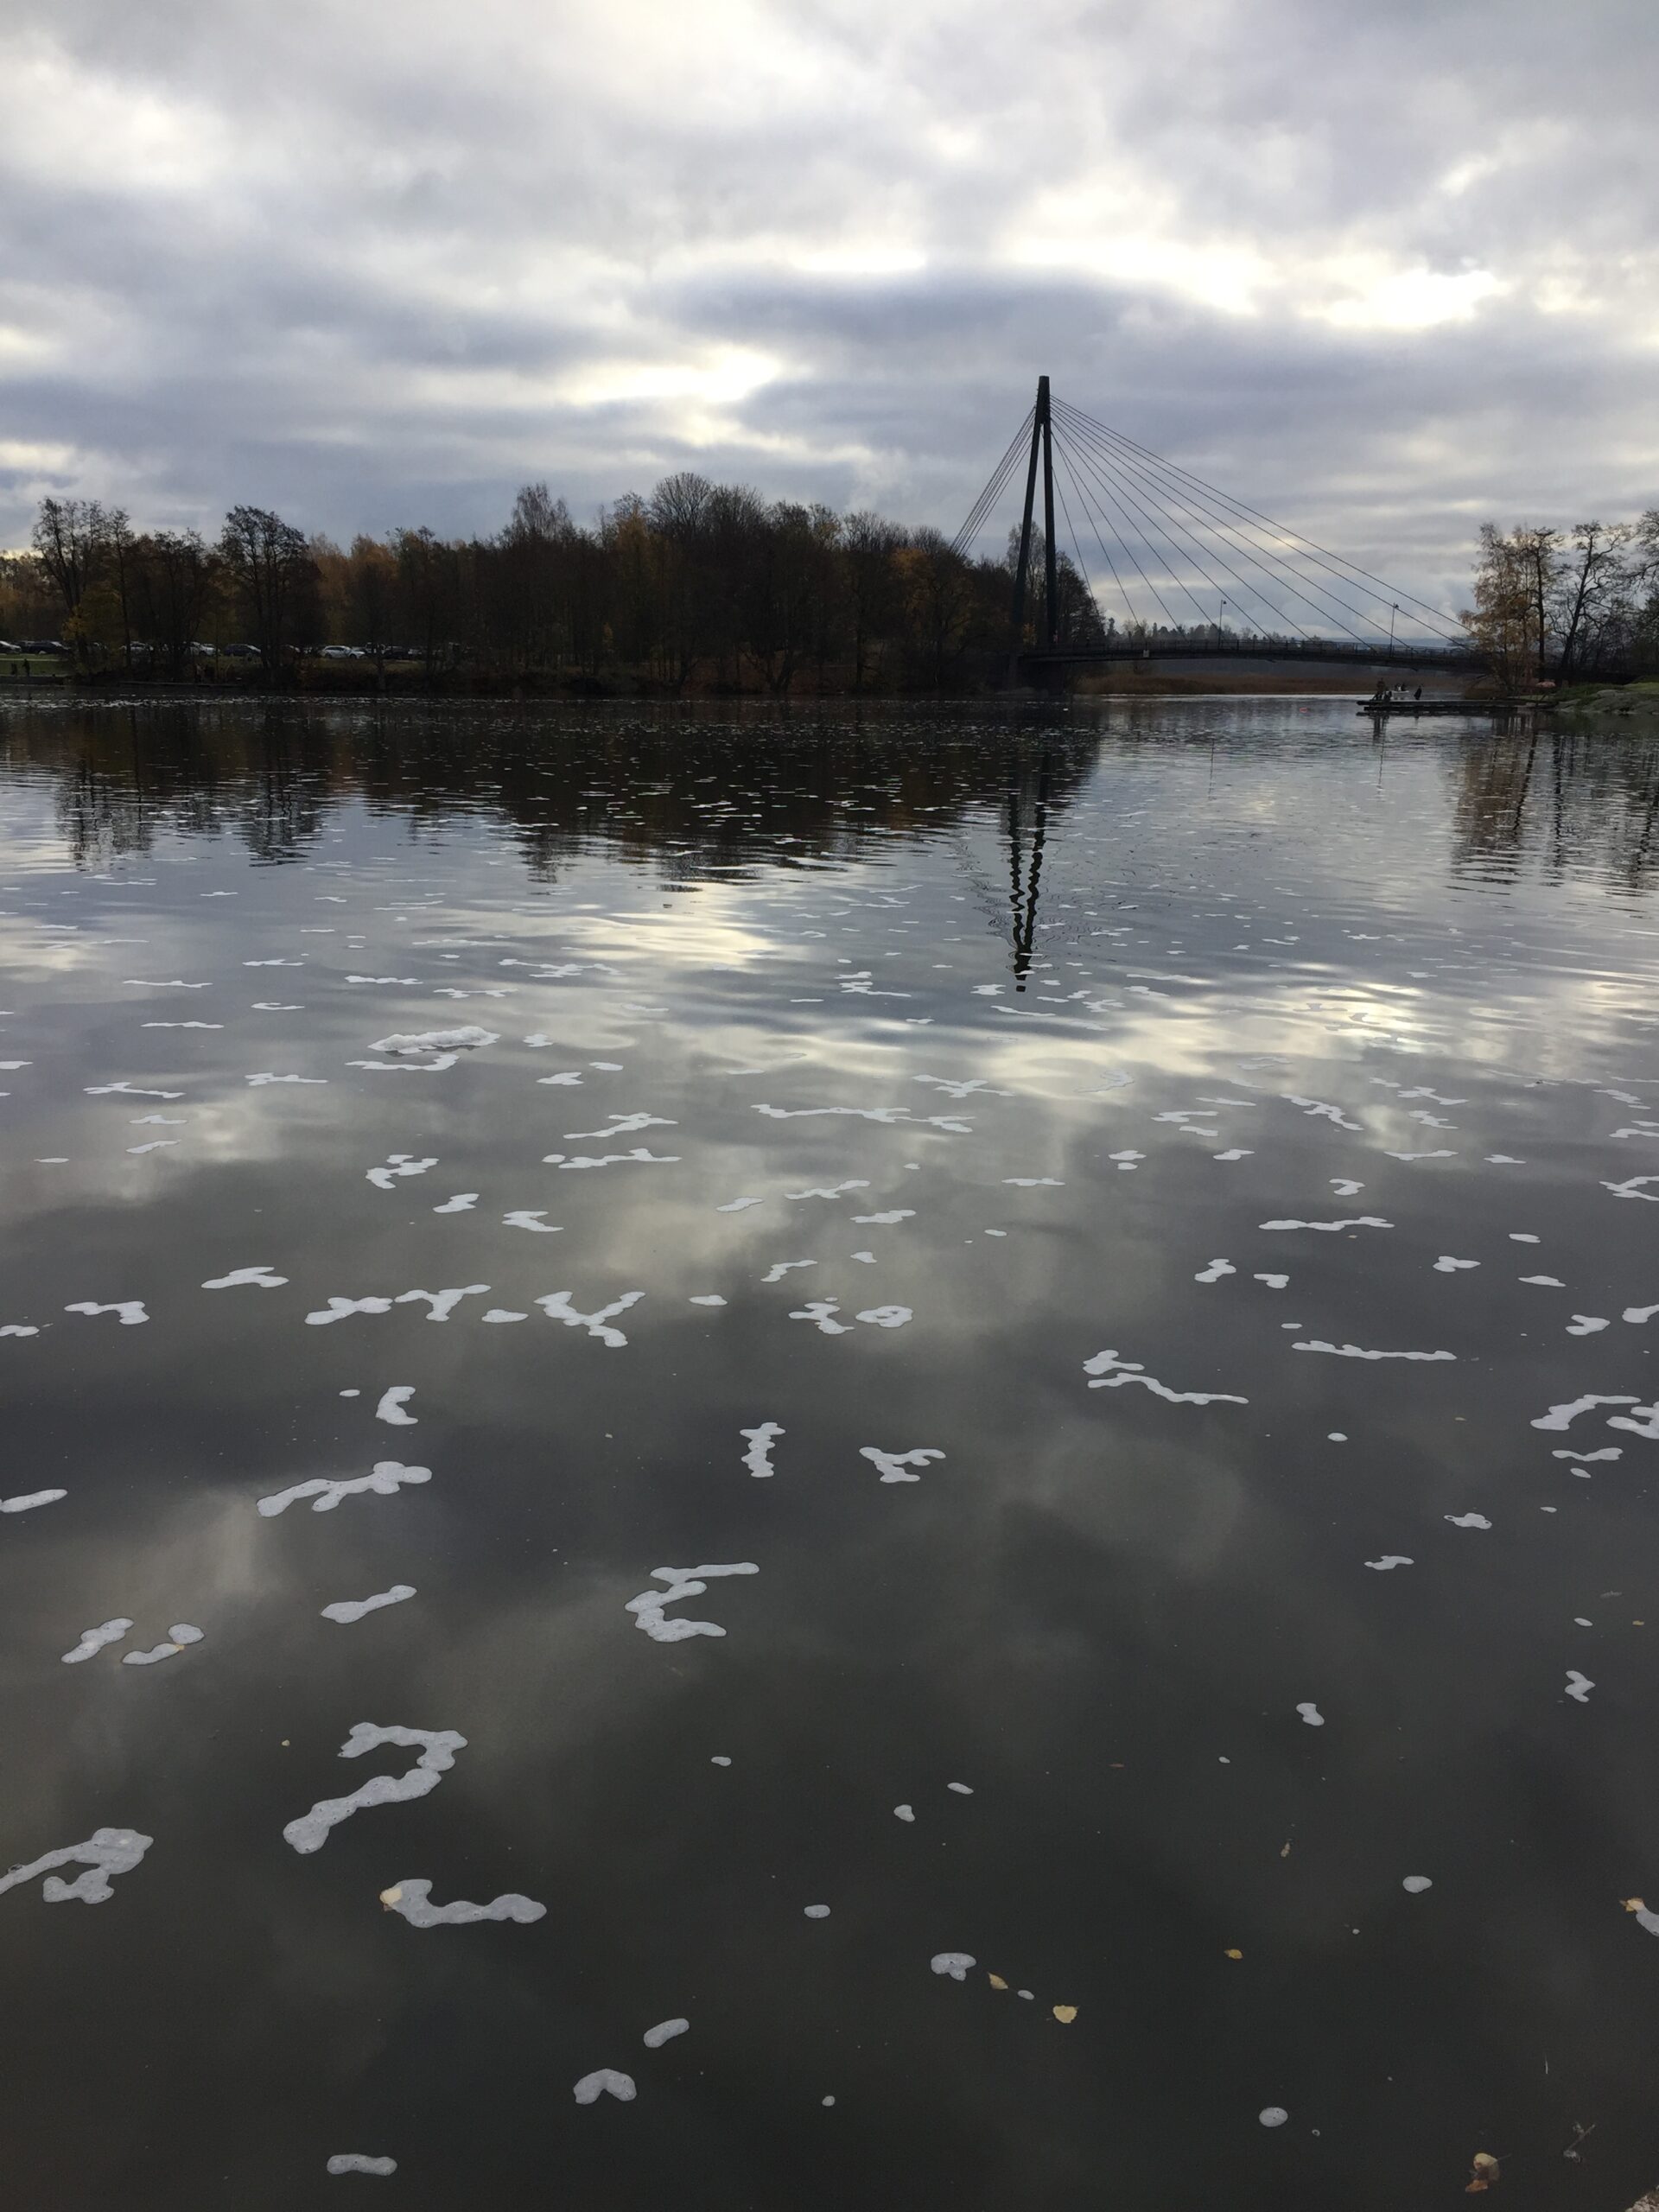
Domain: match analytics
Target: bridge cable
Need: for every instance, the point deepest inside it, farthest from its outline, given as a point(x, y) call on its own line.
point(1107, 476)
point(1290, 537)
point(1174, 522)
point(1082, 567)
point(1100, 534)
point(1128, 549)
point(992, 491)
point(1228, 534)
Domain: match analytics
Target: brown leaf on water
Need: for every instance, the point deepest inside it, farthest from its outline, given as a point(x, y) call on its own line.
point(392, 1897)
point(1066, 2014)
point(1235, 1955)
point(996, 1981)
point(1633, 1904)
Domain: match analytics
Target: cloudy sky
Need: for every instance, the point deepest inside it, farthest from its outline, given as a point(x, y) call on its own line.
point(1383, 270)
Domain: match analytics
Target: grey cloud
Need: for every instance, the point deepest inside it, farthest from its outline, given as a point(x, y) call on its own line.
point(371, 279)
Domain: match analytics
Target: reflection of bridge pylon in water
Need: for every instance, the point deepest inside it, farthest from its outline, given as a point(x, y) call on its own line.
point(1022, 893)
point(1193, 571)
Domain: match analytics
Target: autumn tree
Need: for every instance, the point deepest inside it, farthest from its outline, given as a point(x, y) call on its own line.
point(269, 573)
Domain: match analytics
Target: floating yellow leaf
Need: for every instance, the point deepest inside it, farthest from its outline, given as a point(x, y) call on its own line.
point(1066, 2014)
point(1633, 1904)
point(996, 1981)
point(393, 1896)
point(1235, 1955)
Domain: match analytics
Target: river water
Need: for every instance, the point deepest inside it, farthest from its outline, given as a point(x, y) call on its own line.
point(1118, 1246)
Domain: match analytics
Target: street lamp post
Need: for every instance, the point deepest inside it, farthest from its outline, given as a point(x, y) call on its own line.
point(1393, 611)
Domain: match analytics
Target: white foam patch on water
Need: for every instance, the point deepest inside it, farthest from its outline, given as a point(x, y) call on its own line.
point(1317, 1108)
point(739, 1205)
point(1446, 1265)
point(531, 1219)
point(709, 1298)
point(1586, 1324)
point(1639, 1313)
point(831, 1190)
point(611, 1159)
point(437, 1755)
point(1544, 1282)
point(1589, 1459)
point(1390, 1559)
point(410, 1899)
point(1579, 1686)
point(962, 1789)
point(347, 1610)
point(664, 2031)
point(435, 1066)
point(954, 1087)
point(28, 1500)
point(1272, 2115)
point(955, 1964)
point(621, 1127)
point(1111, 1373)
point(156, 1144)
point(822, 1313)
point(1428, 1156)
point(388, 1476)
point(1274, 1282)
point(757, 1458)
point(557, 1307)
point(440, 1304)
point(605, 2080)
point(338, 1308)
point(1632, 1188)
point(1414, 1885)
point(1125, 1162)
point(106, 1853)
point(1349, 1221)
point(1357, 1351)
point(467, 1040)
point(903, 1812)
point(463, 1202)
point(181, 1634)
point(893, 1466)
point(256, 1082)
point(19, 1329)
point(1467, 1520)
point(889, 1115)
point(1033, 1182)
point(1216, 1270)
point(391, 1405)
point(1562, 1416)
point(886, 1317)
point(503, 1313)
point(1312, 1715)
point(248, 1279)
point(884, 1220)
point(130, 1310)
point(781, 1267)
point(1344, 1186)
point(816, 1911)
point(681, 1582)
point(357, 2162)
point(1235, 1154)
point(565, 1078)
point(94, 1639)
point(172, 1024)
point(398, 1163)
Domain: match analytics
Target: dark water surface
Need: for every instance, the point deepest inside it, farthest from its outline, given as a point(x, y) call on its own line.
point(1132, 1578)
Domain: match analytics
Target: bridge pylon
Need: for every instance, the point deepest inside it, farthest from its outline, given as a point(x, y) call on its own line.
point(1042, 438)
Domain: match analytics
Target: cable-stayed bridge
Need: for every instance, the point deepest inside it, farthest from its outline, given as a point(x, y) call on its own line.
point(1181, 569)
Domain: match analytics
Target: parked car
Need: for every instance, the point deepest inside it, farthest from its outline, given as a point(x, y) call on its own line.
point(44, 646)
point(240, 653)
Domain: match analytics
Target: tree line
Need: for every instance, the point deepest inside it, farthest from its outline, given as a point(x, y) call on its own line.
point(701, 587)
point(1571, 604)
